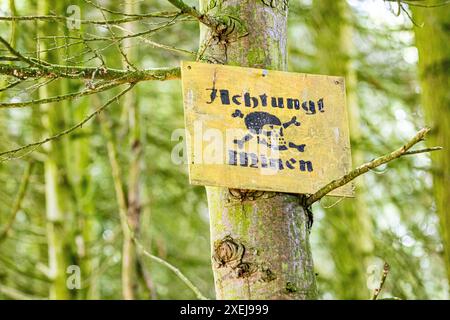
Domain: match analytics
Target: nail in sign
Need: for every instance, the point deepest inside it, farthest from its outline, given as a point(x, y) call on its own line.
point(267, 130)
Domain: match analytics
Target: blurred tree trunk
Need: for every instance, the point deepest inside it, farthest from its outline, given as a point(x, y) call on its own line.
point(82, 185)
point(83, 190)
point(54, 176)
point(128, 199)
point(348, 225)
point(260, 243)
point(433, 43)
point(131, 106)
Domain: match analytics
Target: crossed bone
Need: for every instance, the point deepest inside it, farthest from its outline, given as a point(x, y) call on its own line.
point(290, 122)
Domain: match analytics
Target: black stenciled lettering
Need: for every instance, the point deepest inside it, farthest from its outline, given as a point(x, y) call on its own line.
point(320, 105)
point(254, 160)
point(277, 102)
point(232, 157)
point(293, 104)
point(306, 165)
point(249, 100)
point(225, 96)
point(213, 95)
point(276, 164)
point(312, 107)
point(263, 161)
point(290, 162)
point(235, 99)
point(263, 98)
point(309, 107)
point(243, 159)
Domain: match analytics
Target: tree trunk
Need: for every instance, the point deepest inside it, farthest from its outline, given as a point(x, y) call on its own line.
point(332, 25)
point(55, 215)
point(433, 43)
point(131, 105)
point(260, 241)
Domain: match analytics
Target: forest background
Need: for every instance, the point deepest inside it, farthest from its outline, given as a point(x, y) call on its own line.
point(62, 202)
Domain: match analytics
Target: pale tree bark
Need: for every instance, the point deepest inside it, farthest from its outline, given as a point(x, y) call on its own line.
point(348, 224)
point(54, 197)
point(131, 105)
point(433, 42)
point(82, 185)
point(260, 241)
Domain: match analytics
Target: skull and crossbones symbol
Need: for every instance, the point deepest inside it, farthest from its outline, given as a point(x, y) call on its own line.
point(268, 130)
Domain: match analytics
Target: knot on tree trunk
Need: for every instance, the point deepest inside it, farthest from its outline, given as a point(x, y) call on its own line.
point(228, 252)
point(280, 4)
point(245, 195)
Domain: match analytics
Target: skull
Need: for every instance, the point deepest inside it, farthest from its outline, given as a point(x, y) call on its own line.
point(268, 128)
point(274, 136)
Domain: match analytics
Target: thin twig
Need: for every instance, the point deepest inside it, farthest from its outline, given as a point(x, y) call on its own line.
point(76, 72)
point(18, 201)
point(11, 153)
point(370, 165)
point(416, 4)
point(94, 38)
point(203, 18)
point(10, 85)
point(384, 275)
point(127, 230)
point(177, 271)
point(96, 5)
point(160, 45)
point(167, 14)
point(422, 150)
point(117, 42)
point(69, 96)
point(17, 53)
point(16, 294)
point(166, 47)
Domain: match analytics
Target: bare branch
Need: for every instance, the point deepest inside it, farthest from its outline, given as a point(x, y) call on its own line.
point(159, 45)
point(88, 73)
point(417, 3)
point(117, 43)
point(17, 53)
point(167, 14)
point(10, 85)
point(384, 275)
point(18, 201)
point(121, 13)
point(370, 165)
point(9, 58)
point(16, 294)
point(177, 271)
point(7, 155)
point(95, 38)
point(69, 96)
point(422, 150)
point(203, 18)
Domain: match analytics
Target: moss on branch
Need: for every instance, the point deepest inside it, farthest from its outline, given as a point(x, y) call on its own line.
point(90, 73)
point(164, 14)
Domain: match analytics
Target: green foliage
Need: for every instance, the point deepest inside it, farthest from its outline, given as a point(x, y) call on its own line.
point(174, 222)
